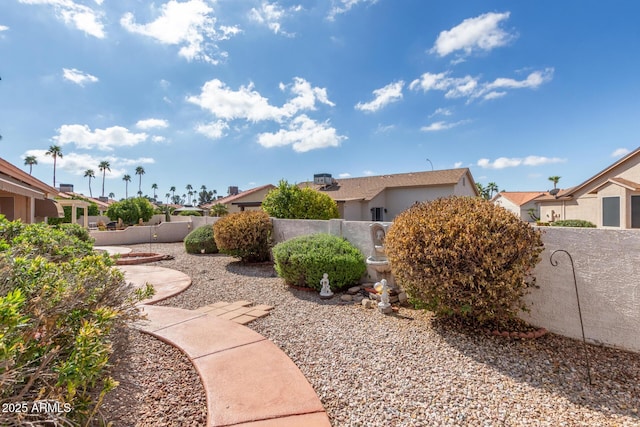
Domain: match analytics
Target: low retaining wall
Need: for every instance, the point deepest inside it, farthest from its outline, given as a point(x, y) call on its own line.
point(165, 232)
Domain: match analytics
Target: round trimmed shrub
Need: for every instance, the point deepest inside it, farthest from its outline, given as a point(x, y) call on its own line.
point(245, 235)
point(301, 261)
point(199, 239)
point(464, 256)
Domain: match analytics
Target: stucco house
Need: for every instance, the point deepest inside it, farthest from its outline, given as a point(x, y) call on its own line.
point(238, 201)
point(383, 197)
point(521, 203)
point(610, 198)
point(24, 197)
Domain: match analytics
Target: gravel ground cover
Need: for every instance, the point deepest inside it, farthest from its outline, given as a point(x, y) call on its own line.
point(405, 369)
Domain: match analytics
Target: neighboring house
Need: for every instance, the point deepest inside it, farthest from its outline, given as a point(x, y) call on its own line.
point(24, 197)
point(238, 201)
point(611, 198)
point(521, 203)
point(383, 197)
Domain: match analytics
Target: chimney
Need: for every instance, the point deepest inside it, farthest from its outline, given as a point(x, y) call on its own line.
point(232, 191)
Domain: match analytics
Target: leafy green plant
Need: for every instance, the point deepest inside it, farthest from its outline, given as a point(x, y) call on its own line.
point(464, 256)
point(201, 239)
point(60, 311)
point(291, 202)
point(245, 235)
point(303, 260)
point(131, 210)
point(572, 223)
point(190, 213)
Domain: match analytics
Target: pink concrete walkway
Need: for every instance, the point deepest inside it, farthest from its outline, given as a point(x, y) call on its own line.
point(247, 379)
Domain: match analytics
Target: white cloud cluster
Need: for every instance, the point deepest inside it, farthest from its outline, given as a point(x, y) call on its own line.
point(4, 28)
point(78, 77)
point(480, 33)
point(78, 15)
point(188, 24)
point(620, 152)
point(442, 125)
point(152, 123)
point(272, 15)
point(383, 97)
point(472, 88)
point(506, 162)
point(246, 103)
point(102, 139)
point(342, 6)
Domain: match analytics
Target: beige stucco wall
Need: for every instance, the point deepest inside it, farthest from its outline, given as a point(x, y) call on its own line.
point(401, 199)
point(258, 196)
point(464, 188)
point(22, 207)
point(608, 276)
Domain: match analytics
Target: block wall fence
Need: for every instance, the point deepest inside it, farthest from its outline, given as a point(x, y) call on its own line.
point(607, 267)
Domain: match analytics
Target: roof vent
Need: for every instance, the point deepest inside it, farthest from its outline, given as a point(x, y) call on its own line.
point(232, 191)
point(66, 188)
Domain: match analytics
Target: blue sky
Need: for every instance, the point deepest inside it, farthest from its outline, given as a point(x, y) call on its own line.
point(245, 93)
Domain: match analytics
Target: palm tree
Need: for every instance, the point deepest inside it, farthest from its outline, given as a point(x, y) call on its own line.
point(492, 187)
point(139, 193)
point(173, 191)
point(127, 179)
point(154, 187)
point(167, 196)
point(89, 173)
point(112, 195)
point(104, 166)
point(555, 180)
point(189, 188)
point(30, 161)
point(54, 151)
point(140, 171)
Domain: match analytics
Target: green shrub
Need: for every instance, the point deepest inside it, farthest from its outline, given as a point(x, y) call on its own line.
point(190, 213)
point(199, 239)
point(58, 319)
point(245, 235)
point(131, 210)
point(291, 202)
point(301, 261)
point(572, 223)
point(464, 256)
point(78, 231)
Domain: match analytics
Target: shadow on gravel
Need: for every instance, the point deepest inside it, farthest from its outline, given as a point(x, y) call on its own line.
point(557, 365)
point(256, 269)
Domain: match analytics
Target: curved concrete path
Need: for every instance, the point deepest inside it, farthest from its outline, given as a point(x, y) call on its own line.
point(247, 379)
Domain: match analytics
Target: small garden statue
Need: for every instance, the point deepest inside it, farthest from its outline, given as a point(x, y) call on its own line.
point(384, 305)
point(325, 292)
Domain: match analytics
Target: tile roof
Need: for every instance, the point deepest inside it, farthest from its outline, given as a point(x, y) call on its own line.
point(242, 194)
point(520, 198)
point(366, 188)
point(19, 175)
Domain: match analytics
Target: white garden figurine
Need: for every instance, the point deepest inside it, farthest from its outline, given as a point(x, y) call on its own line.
point(384, 304)
point(325, 292)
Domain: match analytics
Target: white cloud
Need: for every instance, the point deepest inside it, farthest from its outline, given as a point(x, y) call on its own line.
point(620, 152)
point(505, 162)
point(471, 88)
point(188, 24)
point(77, 163)
point(213, 130)
point(457, 165)
point(368, 173)
point(441, 112)
point(4, 28)
point(441, 125)
point(343, 6)
point(344, 175)
point(158, 138)
point(383, 97)
point(480, 33)
point(80, 16)
point(102, 139)
point(384, 128)
point(247, 103)
point(152, 123)
point(78, 77)
point(271, 15)
point(304, 134)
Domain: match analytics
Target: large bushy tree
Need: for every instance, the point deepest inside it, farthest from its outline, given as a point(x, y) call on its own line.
point(292, 202)
point(131, 210)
